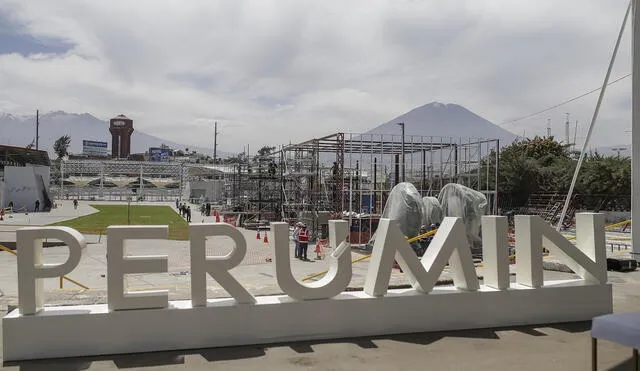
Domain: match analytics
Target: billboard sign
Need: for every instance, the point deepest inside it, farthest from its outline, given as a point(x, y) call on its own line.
point(94, 148)
point(159, 154)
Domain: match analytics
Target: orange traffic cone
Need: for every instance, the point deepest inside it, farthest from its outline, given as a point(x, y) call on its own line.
point(266, 239)
point(258, 235)
point(217, 218)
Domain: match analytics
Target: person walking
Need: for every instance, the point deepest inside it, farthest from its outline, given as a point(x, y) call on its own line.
point(303, 238)
point(294, 237)
point(75, 204)
point(37, 208)
point(177, 204)
point(188, 214)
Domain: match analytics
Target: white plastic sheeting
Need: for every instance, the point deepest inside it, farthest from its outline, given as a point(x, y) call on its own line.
point(463, 202)
point(410, 210)
point(405, 206)
point(432, 211)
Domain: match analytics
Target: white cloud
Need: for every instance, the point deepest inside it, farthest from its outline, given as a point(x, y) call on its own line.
point(272, 71)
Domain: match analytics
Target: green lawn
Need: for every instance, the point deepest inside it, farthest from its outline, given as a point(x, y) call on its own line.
point(138, 215)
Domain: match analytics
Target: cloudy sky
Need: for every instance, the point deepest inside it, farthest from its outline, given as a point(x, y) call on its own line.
point(274, 71)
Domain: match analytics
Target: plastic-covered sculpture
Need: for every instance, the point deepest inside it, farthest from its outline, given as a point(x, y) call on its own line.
point(432, 211)
point(460, 201)
point(405, 206)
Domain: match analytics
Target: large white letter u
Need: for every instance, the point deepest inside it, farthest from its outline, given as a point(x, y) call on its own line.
point(333, 283)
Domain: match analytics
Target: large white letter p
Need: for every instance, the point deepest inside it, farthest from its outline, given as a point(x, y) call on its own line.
point(31, 269)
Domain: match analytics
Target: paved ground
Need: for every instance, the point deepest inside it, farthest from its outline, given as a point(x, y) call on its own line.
point(556, 347)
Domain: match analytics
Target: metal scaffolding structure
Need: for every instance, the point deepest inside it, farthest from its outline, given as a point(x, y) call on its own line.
point(355, 172)
point(253, 187)
point(101, 175)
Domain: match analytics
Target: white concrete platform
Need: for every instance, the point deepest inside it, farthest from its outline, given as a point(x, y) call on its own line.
point(92, 330)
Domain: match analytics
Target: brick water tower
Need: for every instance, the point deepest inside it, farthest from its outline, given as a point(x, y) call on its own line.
point(121, 128)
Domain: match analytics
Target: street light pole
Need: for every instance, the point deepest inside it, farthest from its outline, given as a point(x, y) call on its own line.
point(402, 149)
point(61, 179)
point(215, 141)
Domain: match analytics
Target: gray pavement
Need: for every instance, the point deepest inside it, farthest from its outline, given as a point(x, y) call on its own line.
point(64, 211)
point(555, 347)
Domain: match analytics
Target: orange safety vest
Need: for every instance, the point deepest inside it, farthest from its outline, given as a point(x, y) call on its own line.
point(303, 236)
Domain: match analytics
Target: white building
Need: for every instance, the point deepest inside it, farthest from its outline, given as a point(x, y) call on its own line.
point(24, 178)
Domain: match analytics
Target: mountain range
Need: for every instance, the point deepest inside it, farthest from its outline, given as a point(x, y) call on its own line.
point(433, 119)
point(20, 131)
point(445, 120)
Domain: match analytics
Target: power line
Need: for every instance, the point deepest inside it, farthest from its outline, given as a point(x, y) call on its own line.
point(563, 103)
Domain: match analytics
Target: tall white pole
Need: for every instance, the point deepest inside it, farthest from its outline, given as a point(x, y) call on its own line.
point(635, 127)
point(594, 118)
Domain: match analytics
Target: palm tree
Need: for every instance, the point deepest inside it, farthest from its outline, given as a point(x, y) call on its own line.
point(61, 146)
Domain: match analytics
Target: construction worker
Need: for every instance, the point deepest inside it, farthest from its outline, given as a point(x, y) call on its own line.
point(303, 241)
point(423, 243)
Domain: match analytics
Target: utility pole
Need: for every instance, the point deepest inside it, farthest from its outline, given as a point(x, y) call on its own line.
point(402, 149)
point(215, 141)
point(566, 132)
point(37, 128)
point(548, 128)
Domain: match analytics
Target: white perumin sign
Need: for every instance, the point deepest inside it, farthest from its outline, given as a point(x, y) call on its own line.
point(147, 321)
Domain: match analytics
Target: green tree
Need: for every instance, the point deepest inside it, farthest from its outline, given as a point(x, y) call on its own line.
point(605, 176)
point(61, 146)
point(546, 166)
point(530, 166)
point(264, 151)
